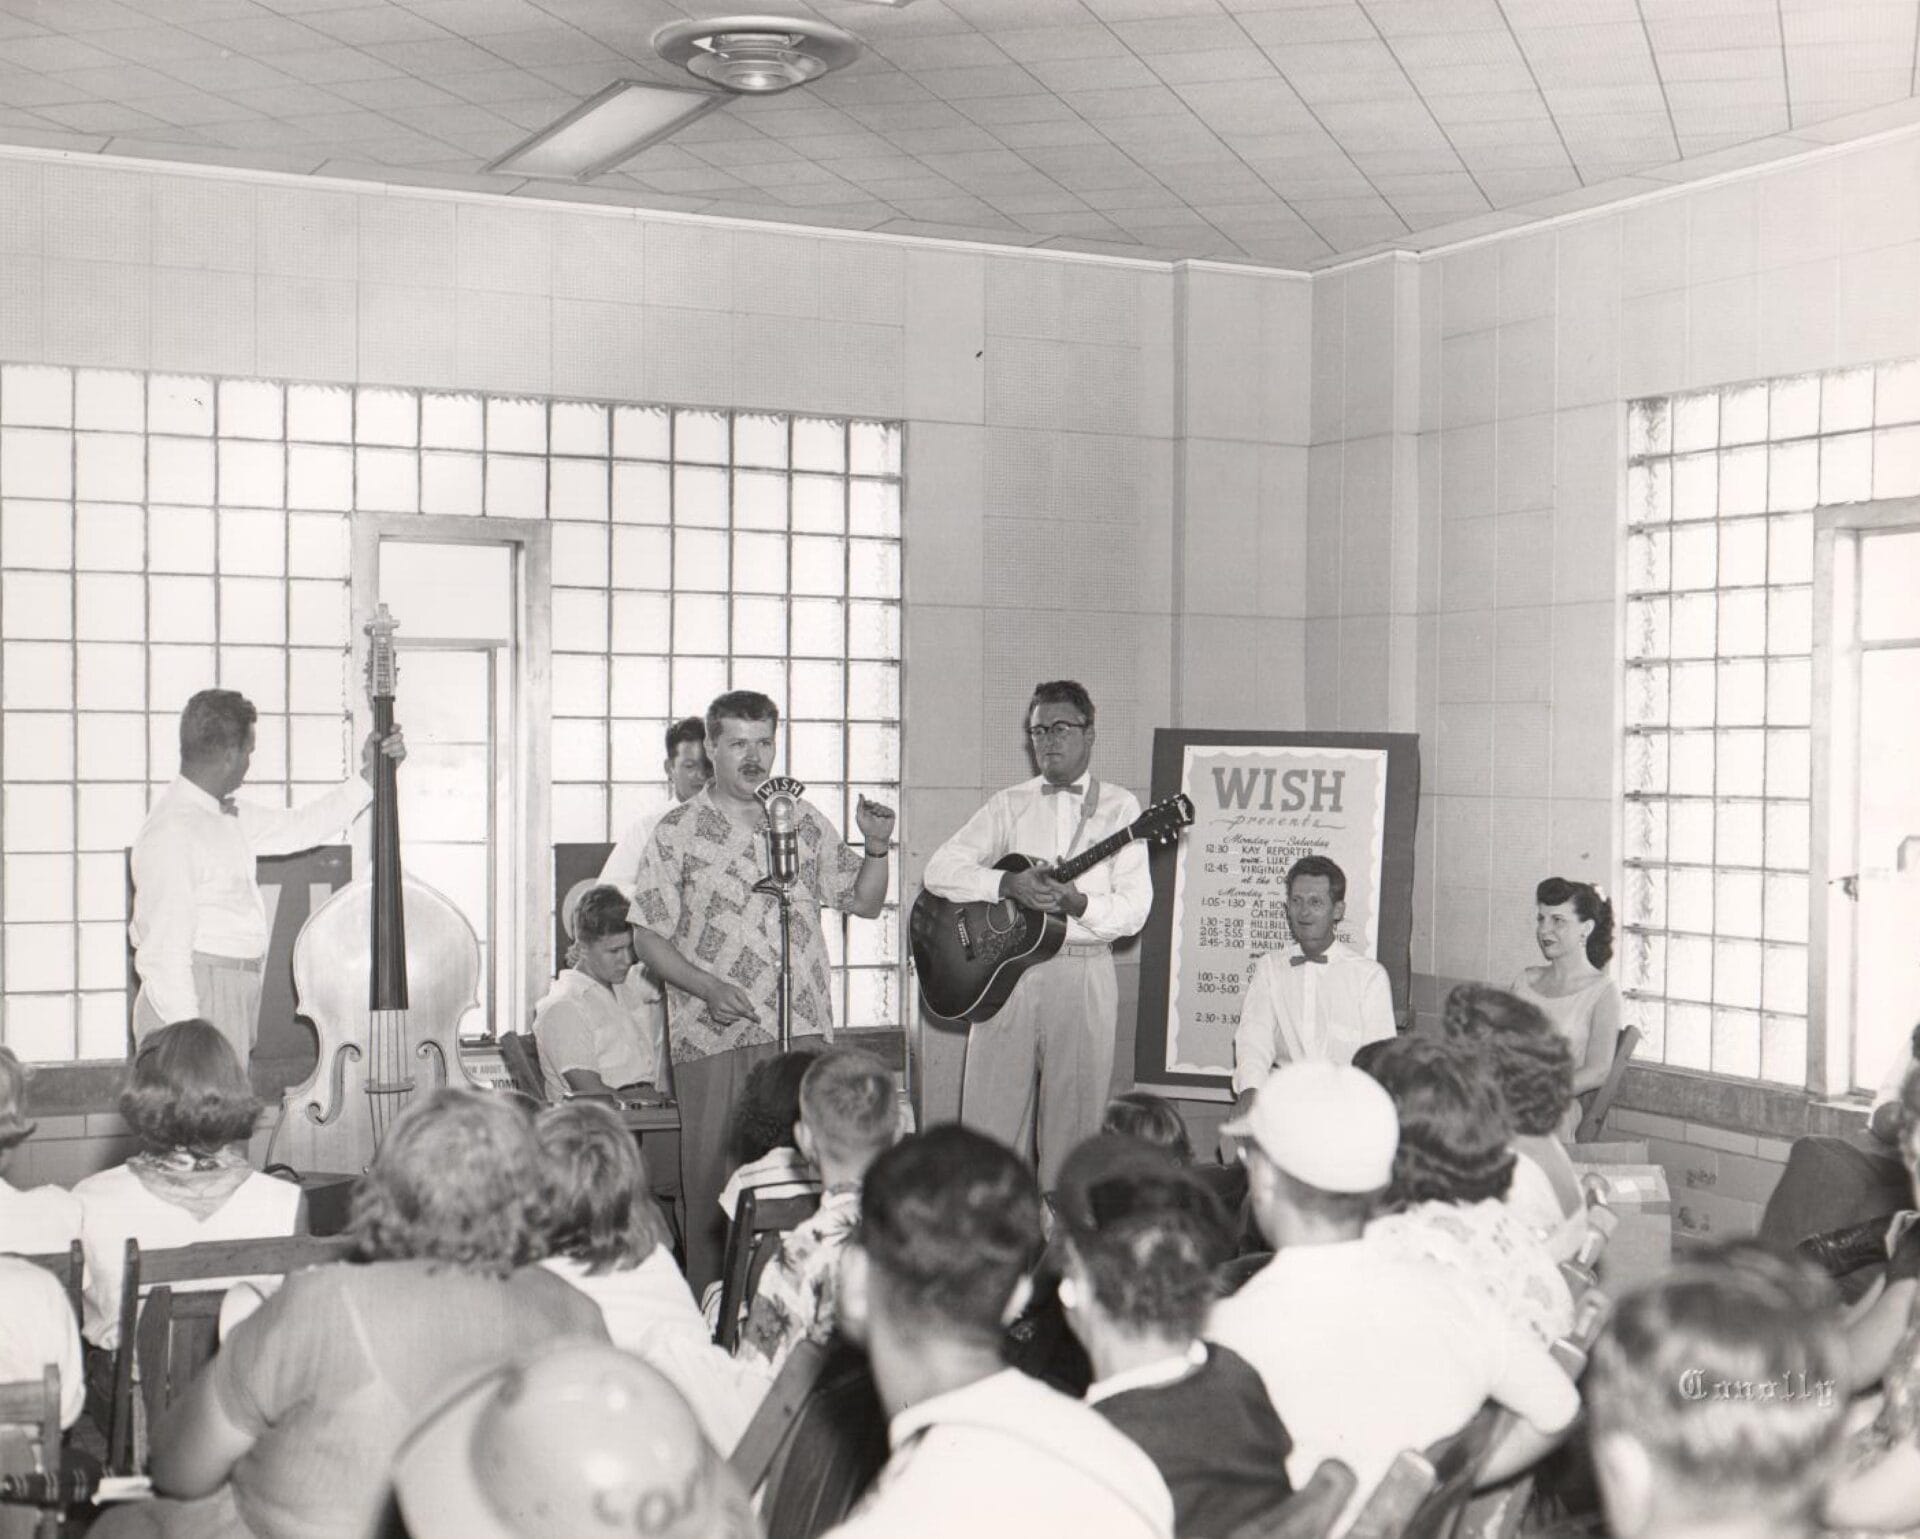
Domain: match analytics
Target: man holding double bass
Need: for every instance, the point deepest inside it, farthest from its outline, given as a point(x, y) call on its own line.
point(1038, 1073)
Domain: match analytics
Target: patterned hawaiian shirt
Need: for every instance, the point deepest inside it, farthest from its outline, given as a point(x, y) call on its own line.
point(796, 1299)
point(695, 889)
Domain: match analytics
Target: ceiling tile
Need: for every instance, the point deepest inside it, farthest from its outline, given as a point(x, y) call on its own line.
point(1091, 41)
point(1313, 24)
point(1178, 69)
point(1107, 71)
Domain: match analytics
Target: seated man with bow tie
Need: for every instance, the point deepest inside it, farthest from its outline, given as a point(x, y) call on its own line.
point(1037, 1074)
point(1318, 999)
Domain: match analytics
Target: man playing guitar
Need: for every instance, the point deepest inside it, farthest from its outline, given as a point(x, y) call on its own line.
point(1037, 1073)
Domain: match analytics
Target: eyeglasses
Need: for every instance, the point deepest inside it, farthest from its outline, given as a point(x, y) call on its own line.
point(1058, 731)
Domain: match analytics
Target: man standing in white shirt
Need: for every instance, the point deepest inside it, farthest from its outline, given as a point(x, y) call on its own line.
point(1038, 1073)
point(1318, 999)
point(199, 922)
point(687, 771)
point(949, 1223)
point(1365, 1353)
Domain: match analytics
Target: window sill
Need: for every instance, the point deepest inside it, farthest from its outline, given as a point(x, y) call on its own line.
point(76, 1089)
point(1769, 1111)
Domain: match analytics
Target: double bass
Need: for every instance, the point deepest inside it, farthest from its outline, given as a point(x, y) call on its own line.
point(385, 969)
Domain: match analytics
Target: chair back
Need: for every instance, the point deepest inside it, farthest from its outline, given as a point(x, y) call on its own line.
point(1311, 1512)
point(1456, 1462)
point(749, 1247)
point(33, 1406)
point(521, 1054)
point(70, 1266)
point(1231, 1276)
point(835, 1447)
point(1392, 1504)
point(174, 1331)
point(1595, 1116)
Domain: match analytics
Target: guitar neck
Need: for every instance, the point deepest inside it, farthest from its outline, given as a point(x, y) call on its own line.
point(1093, 854)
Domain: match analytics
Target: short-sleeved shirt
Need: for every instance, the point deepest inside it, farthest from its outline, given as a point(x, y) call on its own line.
point(797, 1299)
point(581, 1023)
point(331, 1372)
point(695, 889)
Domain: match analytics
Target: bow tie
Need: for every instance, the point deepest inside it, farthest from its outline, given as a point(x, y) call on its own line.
point(1050, 789)
point(1303, 959)
point(229, 807)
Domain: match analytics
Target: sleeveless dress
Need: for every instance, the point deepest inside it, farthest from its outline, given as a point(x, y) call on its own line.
point(1572, 1014)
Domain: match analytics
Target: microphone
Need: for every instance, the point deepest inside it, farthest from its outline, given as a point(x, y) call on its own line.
point(781, 797)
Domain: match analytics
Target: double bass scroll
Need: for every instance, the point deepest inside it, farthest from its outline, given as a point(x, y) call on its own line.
point(385, 969)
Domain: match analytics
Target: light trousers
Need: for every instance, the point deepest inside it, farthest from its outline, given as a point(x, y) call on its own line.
point(1038, 1074)
point(229, 997)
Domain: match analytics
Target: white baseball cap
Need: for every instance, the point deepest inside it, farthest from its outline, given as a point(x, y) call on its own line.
point(1328, 1125)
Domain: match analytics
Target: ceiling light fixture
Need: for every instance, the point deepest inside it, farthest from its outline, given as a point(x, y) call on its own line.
point(606, 129)
point(755, 55)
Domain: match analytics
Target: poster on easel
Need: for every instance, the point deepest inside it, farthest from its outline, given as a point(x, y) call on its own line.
point(1262, 800)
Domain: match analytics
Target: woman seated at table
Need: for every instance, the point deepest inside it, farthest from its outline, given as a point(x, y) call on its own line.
point(290, 1431)
point(1573, 927)
point(190, 1106)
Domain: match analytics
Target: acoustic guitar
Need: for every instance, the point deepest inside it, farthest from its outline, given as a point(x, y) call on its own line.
point(970, 955)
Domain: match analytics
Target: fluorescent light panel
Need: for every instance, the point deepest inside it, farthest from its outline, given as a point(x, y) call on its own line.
point(606, 129)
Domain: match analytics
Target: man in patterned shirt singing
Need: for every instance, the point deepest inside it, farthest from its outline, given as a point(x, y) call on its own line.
point(715, 942)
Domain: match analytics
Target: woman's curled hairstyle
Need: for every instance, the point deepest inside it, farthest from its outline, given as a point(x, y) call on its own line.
point(1530, 1061)
point(188, 1090)
point(1453, 1126)
point(1588, 904)
point(458, 1180)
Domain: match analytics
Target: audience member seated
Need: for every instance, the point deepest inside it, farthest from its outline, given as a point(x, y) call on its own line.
point(1837, 1196)
point(1140, 1250)
point(1531, 1066)
point(1573, 927)
point(39, 1219)
point(847, 1120)
point(596, 1027)
point(37, 1329)
point(577, 1442)
point(950, 1223)
point(190, 1106)
point(760, 1143)
point(609, 1241)
point(290, 1431)
point(1152, 1119)
point(1364, 1353)
point(1717, 1397)
point(1447, 1201)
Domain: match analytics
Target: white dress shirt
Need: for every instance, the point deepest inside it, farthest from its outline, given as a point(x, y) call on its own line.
point(1365, 1354)
point(1012, 1458)
point(1319, 1010)
point(194, 887)
point(622, 869)
point(582, 1023)
point(1023, 820)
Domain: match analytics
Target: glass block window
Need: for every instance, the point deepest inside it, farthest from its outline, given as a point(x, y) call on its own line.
point(700, 551)
point(160, 534)
point(1718, 698)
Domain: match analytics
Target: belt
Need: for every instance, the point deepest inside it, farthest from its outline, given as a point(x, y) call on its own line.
point(232, 964)
point(1085, 949)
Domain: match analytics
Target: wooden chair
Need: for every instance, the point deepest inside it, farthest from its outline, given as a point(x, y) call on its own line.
point(817, 1442)
point(70, 1267)
point(1391, 1506)
point(35, 1404)
point(749, 1248)
point(521, 1054)
point(173, 1331)
point(1311, 1512)
point(1600, 1101)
